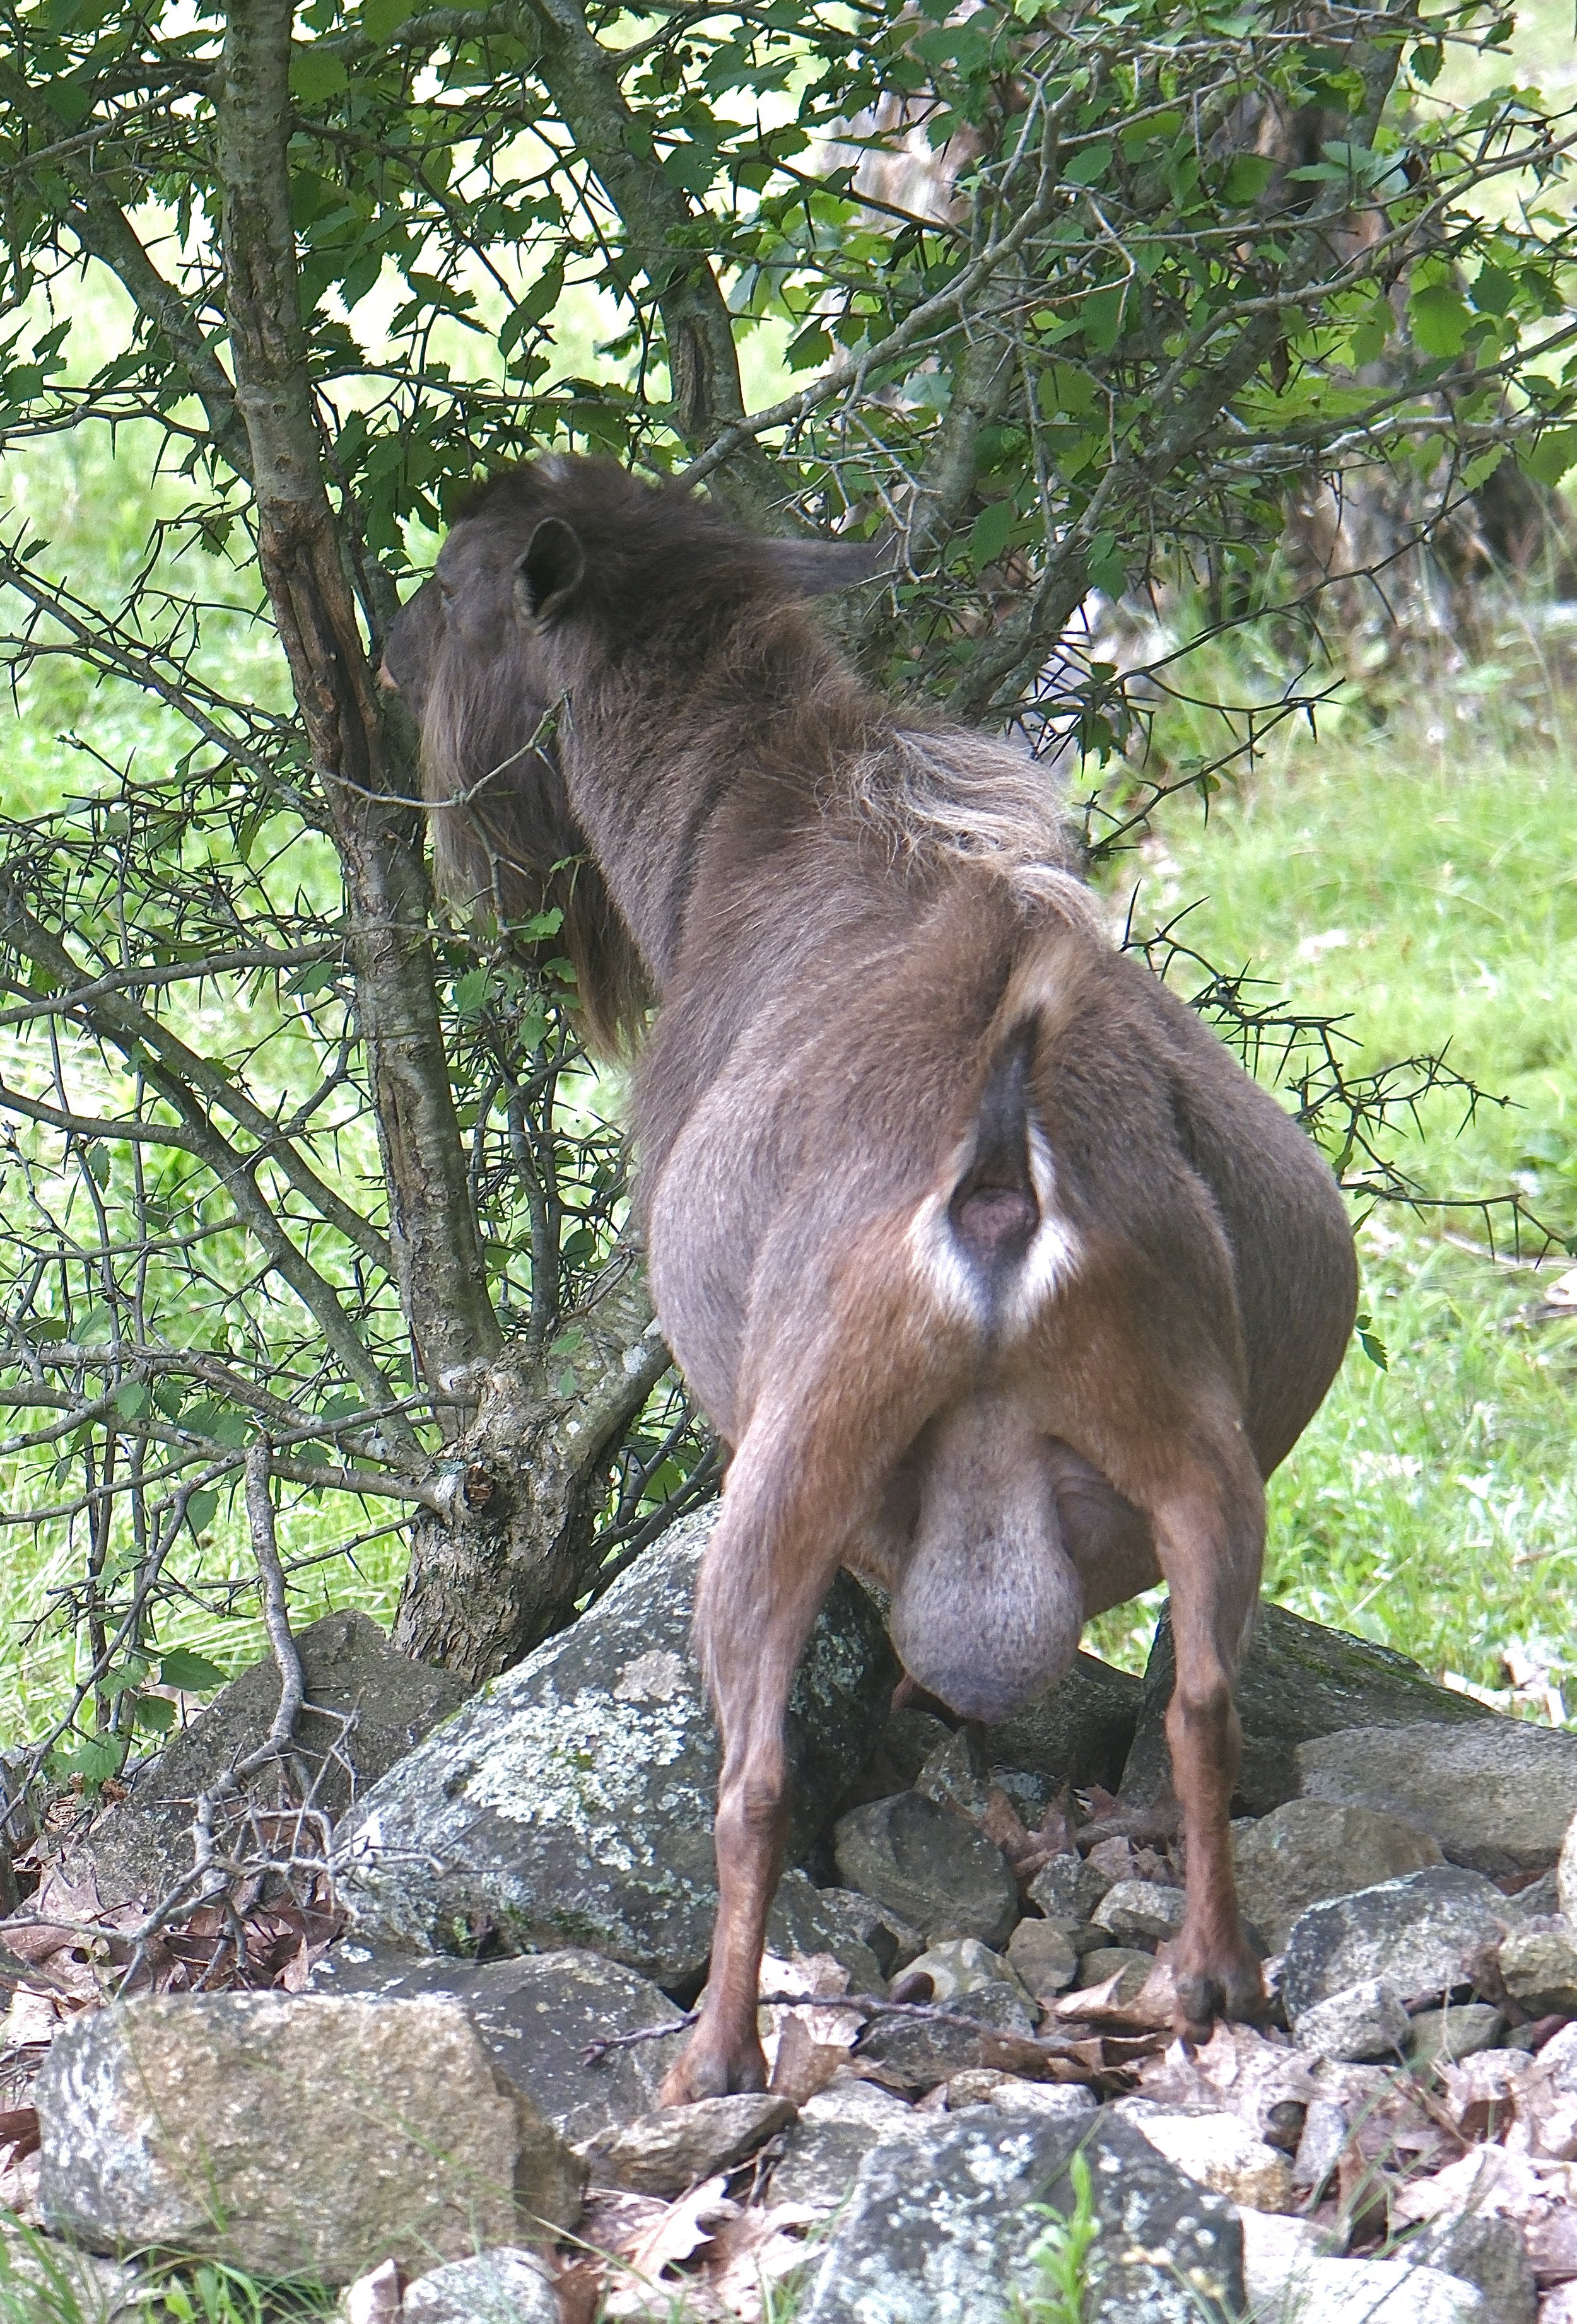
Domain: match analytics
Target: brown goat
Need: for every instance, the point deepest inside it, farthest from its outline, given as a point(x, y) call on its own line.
point(1003, 1283)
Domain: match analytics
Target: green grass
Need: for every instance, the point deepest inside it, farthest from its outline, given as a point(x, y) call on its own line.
point(1419, 879)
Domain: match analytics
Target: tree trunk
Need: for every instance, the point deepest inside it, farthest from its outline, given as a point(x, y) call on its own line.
point(432, 1230)
point(503, 1569)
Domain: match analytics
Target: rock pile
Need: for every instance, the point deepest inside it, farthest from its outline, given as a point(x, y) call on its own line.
point(974, 2081)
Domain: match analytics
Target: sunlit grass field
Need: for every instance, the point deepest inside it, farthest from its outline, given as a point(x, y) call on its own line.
point(1415, 873)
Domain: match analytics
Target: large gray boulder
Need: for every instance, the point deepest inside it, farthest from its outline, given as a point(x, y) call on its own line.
point(1306, 1851)
point(368, 1707)
point(1423, 1936)
point(1498, 1795)
point(942, 2233)
point(293, 2134)
point(538, 2014)
point(570, 1803)
point(1298, 1679)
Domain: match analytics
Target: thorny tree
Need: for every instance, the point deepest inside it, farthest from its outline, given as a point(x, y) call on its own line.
point(1072, 304)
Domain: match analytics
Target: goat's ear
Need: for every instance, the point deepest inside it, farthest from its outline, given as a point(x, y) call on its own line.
point(819, 568)
point(550, 568)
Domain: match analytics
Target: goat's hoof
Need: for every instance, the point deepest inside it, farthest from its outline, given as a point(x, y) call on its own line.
point(1229, 1984)
point(706, 2069)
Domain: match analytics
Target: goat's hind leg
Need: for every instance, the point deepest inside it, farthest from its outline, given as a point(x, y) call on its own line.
point(1210, 1538)
point(763, 1585)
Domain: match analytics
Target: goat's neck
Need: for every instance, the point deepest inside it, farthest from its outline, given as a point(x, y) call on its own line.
point(648, 792)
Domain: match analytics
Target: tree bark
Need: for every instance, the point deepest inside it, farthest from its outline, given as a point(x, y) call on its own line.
point(432, 1231)
point(516, 1549)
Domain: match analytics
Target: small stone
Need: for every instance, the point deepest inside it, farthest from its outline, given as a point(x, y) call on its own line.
point(890, 1939)
point(1497, 1795)
point(1361, 2022)
point(1540, 1970)
point(663, 2153)
point(956, 1775)
point(1319, 2148)
point(921, 2052)
point(1134, 1909)
point(1566, 1873)
point(1131, 1967)
point(1055, 2102)
point(1306, 1851)
point(293, 2134)
point(1443, 2037)
point(835, 2130)
point(1277, 2253)
point(1114, 1859)
point(1423, 1935)
point(987, 2086)
point(1043, 1956)
point(1384, 2292)
point(1486, 2251)
point(1540, 1899)
point(1218, 2149)
point(503, 2286)
point(964, 1965)
point(1067, 1889)
point(928, 1865)
point(947, 2234)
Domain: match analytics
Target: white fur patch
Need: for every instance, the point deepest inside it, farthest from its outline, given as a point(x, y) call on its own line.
point(940, 1265)
point(1054, 1250)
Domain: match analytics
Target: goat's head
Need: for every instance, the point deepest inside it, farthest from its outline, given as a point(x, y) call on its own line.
point(552, 567)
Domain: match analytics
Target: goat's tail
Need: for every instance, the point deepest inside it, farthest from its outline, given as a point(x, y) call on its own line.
point(996, 1229)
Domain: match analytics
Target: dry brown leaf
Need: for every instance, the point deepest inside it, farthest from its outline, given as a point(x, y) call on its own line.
point(756, 2249)
point(685, 2226)
point(803, 2065)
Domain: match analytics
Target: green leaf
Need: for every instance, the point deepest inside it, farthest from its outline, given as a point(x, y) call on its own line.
point(1547, 459)
point(132, 1399)
point(192, 1674)
point(129, 1678)
point(95, 1761)
point(155, 1715)
point(381, 19)
point(1102, 317)
point(1438, 319)
point(1248, 178)
point(989, 533)
point(471, 991)
point(1088, 168)
point(316, 74)
point(200, 1509)
point(1484, 466)
point(810, 347)
point(1369, 1341)
point(1108, 571)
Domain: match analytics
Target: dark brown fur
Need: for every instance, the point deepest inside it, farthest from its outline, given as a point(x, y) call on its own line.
point(1004, 1284)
